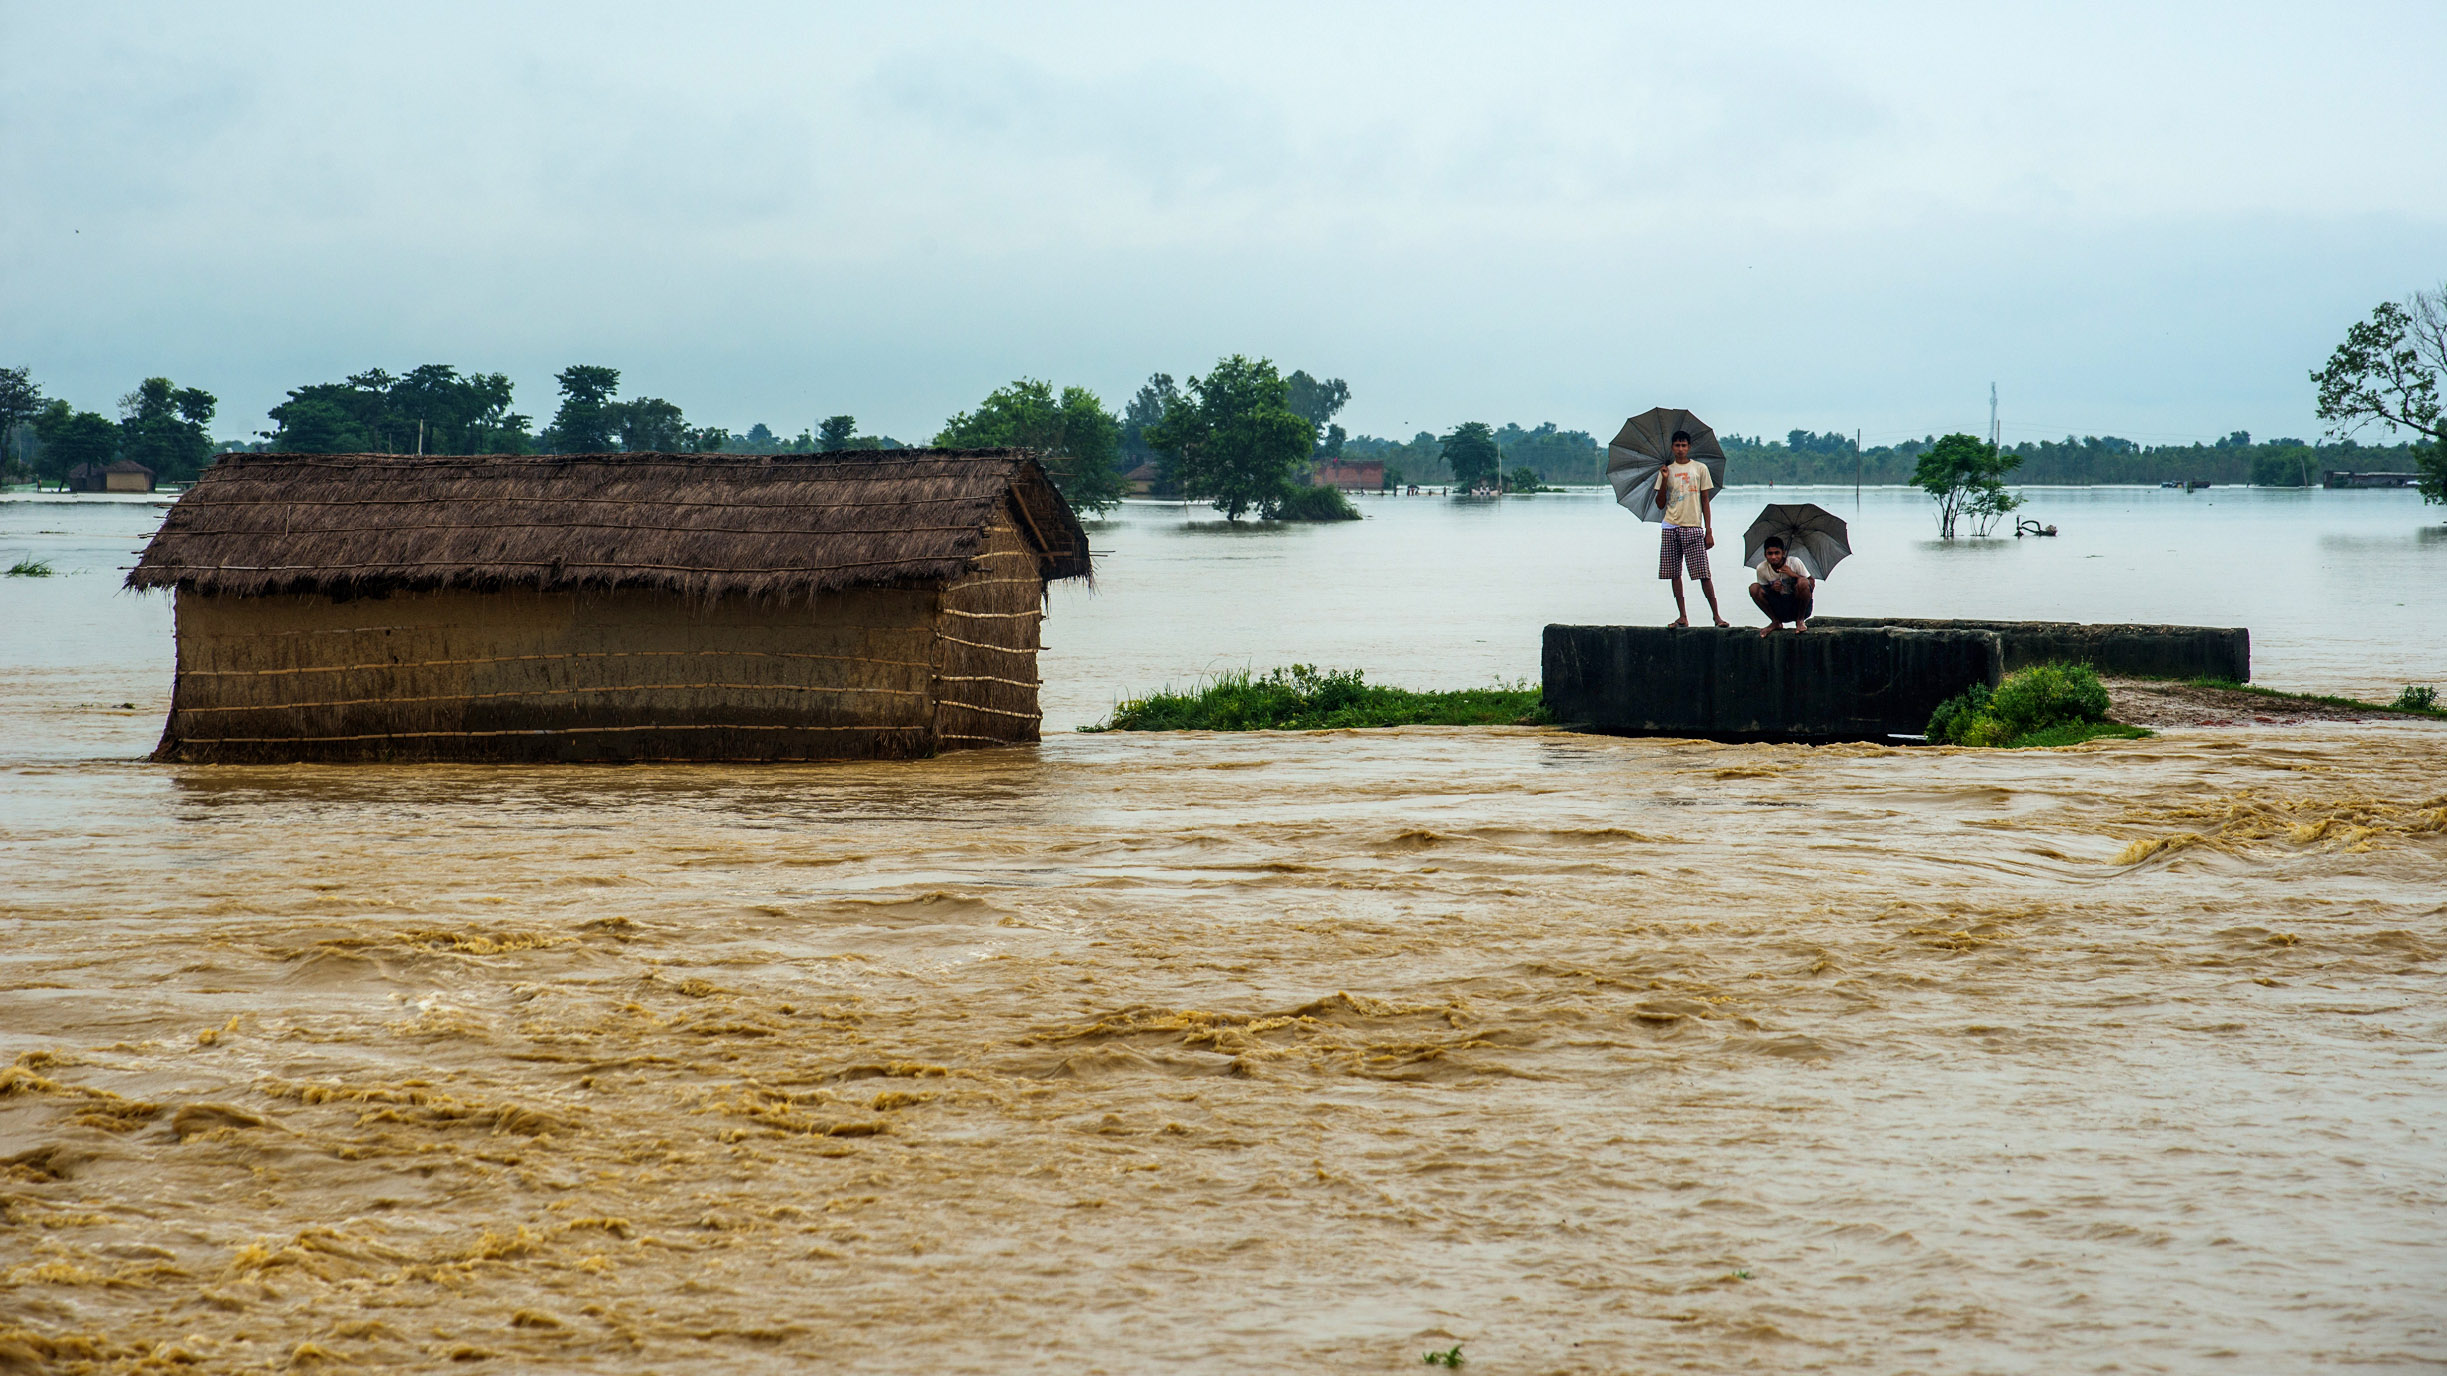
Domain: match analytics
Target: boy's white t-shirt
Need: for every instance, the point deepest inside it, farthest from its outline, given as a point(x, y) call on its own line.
point(1684, 482)
point(1792, 569)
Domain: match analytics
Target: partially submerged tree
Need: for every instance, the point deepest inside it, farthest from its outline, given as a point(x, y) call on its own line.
point(2388, 370)
point(1078, 439)
point(1966, 474)
point(1233, 439)
point(1471, 452)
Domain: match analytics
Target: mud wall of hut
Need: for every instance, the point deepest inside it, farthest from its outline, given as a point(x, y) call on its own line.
point(575, 677)
point(985, 682)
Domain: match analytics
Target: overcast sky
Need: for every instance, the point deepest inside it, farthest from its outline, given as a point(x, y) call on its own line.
point(2150, 220)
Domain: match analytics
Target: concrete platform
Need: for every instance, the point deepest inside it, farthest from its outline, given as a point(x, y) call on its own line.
point(1847, 683)
point(2135, 651)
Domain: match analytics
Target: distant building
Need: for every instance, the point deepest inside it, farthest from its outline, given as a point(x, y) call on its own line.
point(1362, 475)
point(2338, 479)
point(1144, 479)
point(123, 475)
point(602, 607)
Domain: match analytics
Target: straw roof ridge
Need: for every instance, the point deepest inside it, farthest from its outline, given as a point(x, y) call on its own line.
point(781, 526)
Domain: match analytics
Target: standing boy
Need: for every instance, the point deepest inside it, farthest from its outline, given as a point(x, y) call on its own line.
point(1690, 527)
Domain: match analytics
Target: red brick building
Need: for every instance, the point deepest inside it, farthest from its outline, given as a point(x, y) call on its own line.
point(1349, 475)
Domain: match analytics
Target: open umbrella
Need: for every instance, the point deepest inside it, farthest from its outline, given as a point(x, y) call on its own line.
point(1812, 534)
point(1645, 445)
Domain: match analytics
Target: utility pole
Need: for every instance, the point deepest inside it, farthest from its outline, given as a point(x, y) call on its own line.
point(1993, 434)
point(1856, 472)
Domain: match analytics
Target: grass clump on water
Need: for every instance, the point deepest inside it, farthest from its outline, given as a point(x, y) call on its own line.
point(31, 568)
point(2041, 707)
point(1306, 698)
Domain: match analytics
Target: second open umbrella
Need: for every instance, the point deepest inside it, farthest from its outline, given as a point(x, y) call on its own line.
point(1813, 534)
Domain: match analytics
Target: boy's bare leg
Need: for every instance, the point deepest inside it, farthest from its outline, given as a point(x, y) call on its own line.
point(1682, 613)
point(1707, 588)
point(1758, 598)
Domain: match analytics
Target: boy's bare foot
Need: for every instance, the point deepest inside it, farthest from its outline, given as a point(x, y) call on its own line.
point(1769, 630)
point(1722, 623)
point(1678, 621)
point(1800, 626)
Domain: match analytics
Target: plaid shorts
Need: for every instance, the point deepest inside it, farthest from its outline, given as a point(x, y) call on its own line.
point(1690, 545)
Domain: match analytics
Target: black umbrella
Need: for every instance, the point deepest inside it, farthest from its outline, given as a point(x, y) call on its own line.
point(1645, 445)
point(1814, 535)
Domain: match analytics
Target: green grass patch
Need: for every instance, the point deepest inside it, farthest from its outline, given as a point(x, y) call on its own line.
point(2076, 732)
point(2416, 700)
point(1306, 698)
point(31, 568)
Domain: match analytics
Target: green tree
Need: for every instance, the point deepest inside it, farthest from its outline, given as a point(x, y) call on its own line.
point(1316, 402)
point(451, 414)
point(1560, 456)
point(1073, 433)
point(162, 426)
point(20, 402)
point(1145, 409)
point(317, 425)
point(834, 433)
point(2388, 370)
point(1233, 439)
point(433, 409)
point(2284, 464)
point(1471, 452)
point(651, 425)
point(71, 437)
point(1966, 476)
point(589, 419)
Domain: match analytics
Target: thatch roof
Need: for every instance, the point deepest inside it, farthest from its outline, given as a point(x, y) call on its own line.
point(768, 525)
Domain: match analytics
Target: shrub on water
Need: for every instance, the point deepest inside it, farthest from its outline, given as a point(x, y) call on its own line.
point(1311, 504)
point(1955, 715)
point(2029, 702)
point(2417, 697)
point(2046, 695)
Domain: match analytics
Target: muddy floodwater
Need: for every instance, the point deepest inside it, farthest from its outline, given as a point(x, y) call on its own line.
point(1218, 1053)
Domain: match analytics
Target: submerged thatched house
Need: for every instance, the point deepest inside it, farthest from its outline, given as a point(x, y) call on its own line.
point(120, 475)
point(609, 606)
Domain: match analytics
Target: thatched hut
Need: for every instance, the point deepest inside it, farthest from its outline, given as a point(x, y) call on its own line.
point(609, 606)
point(119, 475)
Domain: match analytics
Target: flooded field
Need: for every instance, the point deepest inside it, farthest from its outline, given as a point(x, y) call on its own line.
point(1217, 1053)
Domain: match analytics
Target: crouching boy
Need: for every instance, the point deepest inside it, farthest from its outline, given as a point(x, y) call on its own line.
point(1784, 589)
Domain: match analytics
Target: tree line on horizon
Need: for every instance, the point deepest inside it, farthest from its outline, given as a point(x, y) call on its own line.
point(1242, 436)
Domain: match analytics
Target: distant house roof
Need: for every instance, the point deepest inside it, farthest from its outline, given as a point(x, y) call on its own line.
point(95, 470)
point(1144, 473)
point(769, 525)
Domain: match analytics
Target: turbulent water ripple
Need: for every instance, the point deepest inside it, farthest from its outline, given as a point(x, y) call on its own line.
point(1299, 1052)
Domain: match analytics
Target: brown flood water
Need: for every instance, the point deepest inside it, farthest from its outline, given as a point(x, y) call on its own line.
point(1238, 1054)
